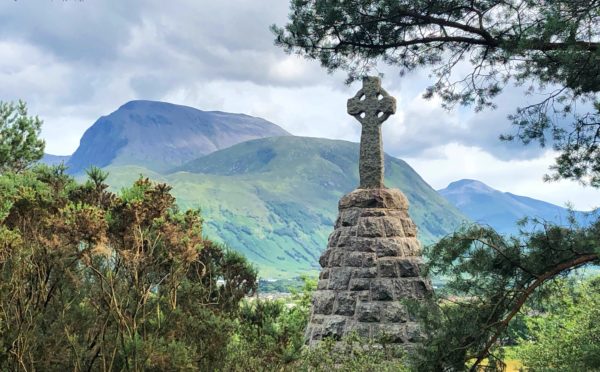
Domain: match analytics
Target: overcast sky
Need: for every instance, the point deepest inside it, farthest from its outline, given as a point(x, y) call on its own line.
point(74, 61)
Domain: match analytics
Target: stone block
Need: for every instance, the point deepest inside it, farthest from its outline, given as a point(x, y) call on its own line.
point(318, 318)
point(339, 278)
point(324, 259)
point(389, 247)
point(363, 295)
point(410, 229)
point(363, 330)
point(389, 333)
point(410, 246)
point(416, 288)
point(364, 272)
point(369, 260)
point(363, 245)
point(314, 333)
point(374, 198)
point(322, 302)
point(393, 312)
point(332, 241)
point(373, 212)
point(413, 333)
point(383, 289)
point(345, 304)
point(393, 227)
point(368, 312)
point(324, 274)
point(349, 217)
point(322, 284)
point(408, 267)
point(335, 258)
point(370, 227)
point(387, 267)
point(334, 327)
point(360, 284)
point(354, 259)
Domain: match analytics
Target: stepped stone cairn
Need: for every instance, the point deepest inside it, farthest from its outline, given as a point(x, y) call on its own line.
point(373, 258)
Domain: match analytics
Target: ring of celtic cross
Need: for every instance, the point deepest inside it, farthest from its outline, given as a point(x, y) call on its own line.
point(371, 106)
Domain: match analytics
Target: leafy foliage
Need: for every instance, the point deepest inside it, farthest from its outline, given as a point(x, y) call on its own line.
point(19, 143)
point(564, 335)
point(96, 281)
point(491, 278)
point(551, 46)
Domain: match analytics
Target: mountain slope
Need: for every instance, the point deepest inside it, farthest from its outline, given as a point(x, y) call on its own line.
point(159, 135)
point(50, 159)
point(275, 199)
point(501, 210)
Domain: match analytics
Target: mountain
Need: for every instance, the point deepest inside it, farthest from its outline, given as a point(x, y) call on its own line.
point(275, 199)
point(159, 135)
point(501, 210)
point(49, 159)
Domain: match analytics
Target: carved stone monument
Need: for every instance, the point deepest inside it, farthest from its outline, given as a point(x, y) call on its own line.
point(373, 257)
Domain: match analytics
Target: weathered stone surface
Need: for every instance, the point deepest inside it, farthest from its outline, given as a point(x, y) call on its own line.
point(354, 259)
point(393, 312)
point(368, 312)
point(360, 284)
point(323, 302)
point(365, 272)
point(339, 277)
point(394, 333)
point(371, 106)
point(387, 267)
point(345, 303)
point(383, 289)
point(361, 329)
point(334, 327)
point(410, 229)
point(349, 217)
point(374, 198)
point(373, 258)
point(322, 284)
point(392, 227)
point(371, 227)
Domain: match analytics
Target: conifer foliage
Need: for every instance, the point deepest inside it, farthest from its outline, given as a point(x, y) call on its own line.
point(19, 143)
point(474, 49)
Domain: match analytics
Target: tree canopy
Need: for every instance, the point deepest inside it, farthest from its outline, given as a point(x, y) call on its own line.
point(550, 46)
point(92, 280)
point(19, 143)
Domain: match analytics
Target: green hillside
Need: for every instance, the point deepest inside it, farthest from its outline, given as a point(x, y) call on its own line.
point(275, 199)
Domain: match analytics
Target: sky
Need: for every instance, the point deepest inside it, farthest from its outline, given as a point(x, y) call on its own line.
point(73, 61)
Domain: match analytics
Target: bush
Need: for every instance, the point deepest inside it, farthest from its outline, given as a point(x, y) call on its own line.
point(98, 281)
point(566, 337)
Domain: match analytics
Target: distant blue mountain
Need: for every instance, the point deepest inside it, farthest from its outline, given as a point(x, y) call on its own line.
point(501, 210)
point(161, 136)
point(49, 159)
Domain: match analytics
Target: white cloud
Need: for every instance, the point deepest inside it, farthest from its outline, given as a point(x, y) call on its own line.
point(521, 177)
point(75, 61)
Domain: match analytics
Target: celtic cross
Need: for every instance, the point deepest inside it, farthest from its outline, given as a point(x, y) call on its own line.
point(371, 106)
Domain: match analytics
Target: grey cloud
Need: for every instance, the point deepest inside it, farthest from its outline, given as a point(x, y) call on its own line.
point(84, 59)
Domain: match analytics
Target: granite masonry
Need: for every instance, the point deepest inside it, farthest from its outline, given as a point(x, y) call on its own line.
point(373, 258)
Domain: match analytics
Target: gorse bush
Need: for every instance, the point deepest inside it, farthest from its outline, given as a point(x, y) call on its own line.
point(91, 280)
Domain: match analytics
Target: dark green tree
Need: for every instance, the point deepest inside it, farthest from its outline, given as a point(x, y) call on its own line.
point(490, 280)
point(19, 143)
point(550, 46)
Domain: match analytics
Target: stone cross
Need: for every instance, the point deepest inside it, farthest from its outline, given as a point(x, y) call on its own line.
point(371, 106)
